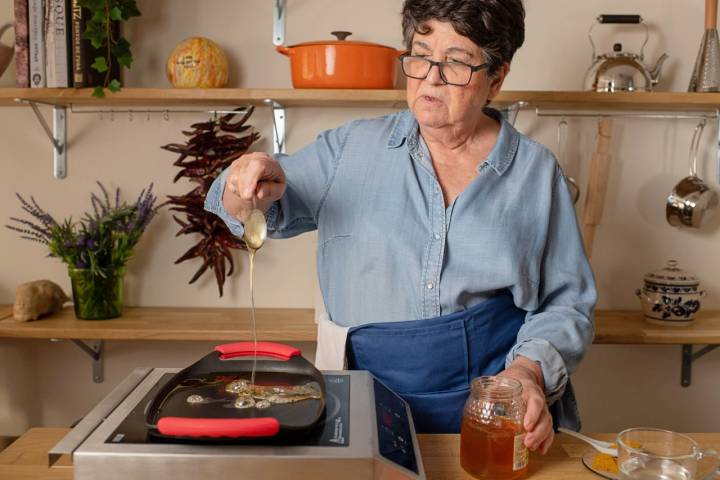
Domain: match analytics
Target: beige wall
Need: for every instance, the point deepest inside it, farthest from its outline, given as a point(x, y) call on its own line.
point(43, 383)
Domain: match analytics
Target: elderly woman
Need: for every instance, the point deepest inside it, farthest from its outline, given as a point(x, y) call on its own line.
point(448, 244)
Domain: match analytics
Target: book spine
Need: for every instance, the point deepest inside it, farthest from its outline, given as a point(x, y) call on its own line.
point(57, 63)
point(22, 46)
point(36, 14)
point(48, 35)
point(79, 80)
point(68, 43)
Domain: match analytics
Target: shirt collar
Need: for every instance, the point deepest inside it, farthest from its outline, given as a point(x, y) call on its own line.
point(500, 157)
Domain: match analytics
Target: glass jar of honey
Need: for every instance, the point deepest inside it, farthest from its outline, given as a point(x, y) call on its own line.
point(492, 434)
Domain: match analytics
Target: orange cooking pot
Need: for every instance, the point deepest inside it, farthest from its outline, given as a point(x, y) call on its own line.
point(342, 64)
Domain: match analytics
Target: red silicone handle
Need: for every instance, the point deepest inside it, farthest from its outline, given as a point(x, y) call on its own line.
point(264, 349)
point(218, 427)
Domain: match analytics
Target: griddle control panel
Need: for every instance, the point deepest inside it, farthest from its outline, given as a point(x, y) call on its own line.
point(393, 427)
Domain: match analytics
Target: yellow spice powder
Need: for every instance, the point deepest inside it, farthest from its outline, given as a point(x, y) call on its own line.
point(607, 463)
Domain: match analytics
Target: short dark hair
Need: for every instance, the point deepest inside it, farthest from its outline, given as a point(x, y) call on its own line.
point(496, 26)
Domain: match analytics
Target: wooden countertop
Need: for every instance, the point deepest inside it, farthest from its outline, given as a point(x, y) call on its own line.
point(284, 324)
point(26, 459)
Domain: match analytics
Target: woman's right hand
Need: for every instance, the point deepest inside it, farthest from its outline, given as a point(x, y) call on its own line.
point(255, 181)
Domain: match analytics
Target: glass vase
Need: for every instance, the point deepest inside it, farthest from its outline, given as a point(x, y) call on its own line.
point(97, 295)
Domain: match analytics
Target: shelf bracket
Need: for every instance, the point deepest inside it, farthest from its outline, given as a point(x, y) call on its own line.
point(688, 357)
point(279, 22)
point(57, 136)
point(96, 350)
point(278, 119)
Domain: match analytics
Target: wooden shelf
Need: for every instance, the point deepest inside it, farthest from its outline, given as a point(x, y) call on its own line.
point(278, 324)
point(157, 323)
point(173, 98)
point(630, 327)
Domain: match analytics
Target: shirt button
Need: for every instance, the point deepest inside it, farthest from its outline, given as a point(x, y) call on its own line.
point(430, 286)
point(437, 236)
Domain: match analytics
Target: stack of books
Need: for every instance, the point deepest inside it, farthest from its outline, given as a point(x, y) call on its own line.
point(49, 48)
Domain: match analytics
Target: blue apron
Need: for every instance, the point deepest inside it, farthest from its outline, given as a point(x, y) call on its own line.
point(430, 363)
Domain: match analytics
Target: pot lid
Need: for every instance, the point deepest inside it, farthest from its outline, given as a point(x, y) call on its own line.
point(672, 275)
point(341, 36)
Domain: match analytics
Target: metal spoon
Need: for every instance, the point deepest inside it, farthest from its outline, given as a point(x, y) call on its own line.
point(255, 230)
point(599, 445)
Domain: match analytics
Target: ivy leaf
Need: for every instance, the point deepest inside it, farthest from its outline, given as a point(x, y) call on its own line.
point(98, 92)
point(121, 51)
point(114, 85)
point(95, 33)
point(129, 9)
point(100, 64)
point(93, 4)
point(116, 14)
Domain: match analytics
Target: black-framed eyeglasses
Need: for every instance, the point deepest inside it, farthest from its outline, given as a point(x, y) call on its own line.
point(452, 73)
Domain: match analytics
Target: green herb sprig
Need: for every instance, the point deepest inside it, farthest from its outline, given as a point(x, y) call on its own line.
point(98, 31)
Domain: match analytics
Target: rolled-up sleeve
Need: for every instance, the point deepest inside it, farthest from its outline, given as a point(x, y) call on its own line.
point(214, 204)
point(309, 173)
point(557, 334)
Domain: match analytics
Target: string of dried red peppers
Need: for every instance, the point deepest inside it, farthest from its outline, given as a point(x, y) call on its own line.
point(212, 147)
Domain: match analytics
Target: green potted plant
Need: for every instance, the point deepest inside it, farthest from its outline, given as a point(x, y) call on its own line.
point(95, 249)
point(110, 49)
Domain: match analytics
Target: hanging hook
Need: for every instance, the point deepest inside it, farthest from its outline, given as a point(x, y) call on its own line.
point(130, 115)
point(148, 115)
point(166, 115)
point(112, 115)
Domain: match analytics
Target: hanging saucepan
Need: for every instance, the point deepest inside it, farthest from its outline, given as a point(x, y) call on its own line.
point(342, 64)
point(562, 141)
point(214, 399)
point(692, 201)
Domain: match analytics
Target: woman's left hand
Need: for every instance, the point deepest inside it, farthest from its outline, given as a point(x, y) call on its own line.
point(538, 421)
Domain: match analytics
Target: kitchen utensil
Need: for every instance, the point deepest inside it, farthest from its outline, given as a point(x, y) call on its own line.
point(657, 453)
point(597, 185)
point(6, 51)
point(621, 71)
point(342, 63)
point(599, 445)
point(199, 403)
point(562, 143)
point(692, 202)
point(255, 230)
point(706, 72)
point(670, 296)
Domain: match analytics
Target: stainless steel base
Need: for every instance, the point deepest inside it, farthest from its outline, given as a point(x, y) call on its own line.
point(94, 457)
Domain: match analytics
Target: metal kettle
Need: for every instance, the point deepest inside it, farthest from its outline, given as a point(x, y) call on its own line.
point(621, 71)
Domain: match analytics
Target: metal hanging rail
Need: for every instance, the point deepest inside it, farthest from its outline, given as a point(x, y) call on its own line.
point(625, 114)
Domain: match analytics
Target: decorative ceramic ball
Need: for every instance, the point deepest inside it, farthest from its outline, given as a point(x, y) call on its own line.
point(197, 62)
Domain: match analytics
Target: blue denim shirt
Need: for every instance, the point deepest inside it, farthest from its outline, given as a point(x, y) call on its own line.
point(389, 250)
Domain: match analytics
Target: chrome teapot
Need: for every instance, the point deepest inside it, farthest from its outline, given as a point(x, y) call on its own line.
point(621, 71)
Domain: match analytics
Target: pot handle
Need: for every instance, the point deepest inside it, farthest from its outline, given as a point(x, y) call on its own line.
point(284, 50)
point(642, 296)
point(218, 427)
point(340, 34)
point(264, 349)
point(619, 18)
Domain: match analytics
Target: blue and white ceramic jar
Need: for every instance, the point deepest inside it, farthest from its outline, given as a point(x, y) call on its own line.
point(670, 296)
